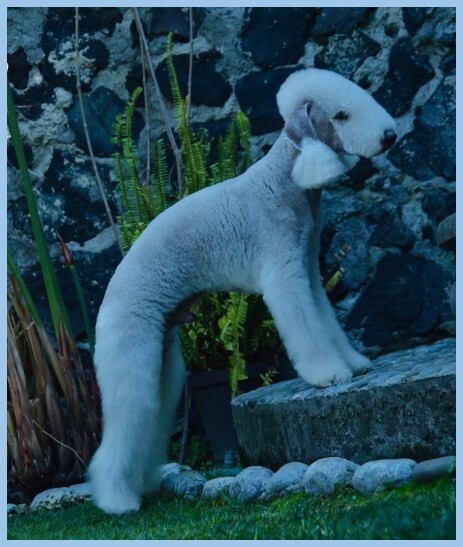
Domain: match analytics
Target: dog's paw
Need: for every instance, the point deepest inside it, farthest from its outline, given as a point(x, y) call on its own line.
point(358, 363)
point(118, 504)
point(325, 372)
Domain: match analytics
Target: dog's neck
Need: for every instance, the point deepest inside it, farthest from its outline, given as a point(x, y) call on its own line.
point(283, 152)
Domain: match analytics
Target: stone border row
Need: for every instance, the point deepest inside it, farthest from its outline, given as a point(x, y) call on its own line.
point(323, 477)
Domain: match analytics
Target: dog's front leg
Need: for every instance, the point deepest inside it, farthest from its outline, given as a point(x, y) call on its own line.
point(297, 317)
point(355, 360)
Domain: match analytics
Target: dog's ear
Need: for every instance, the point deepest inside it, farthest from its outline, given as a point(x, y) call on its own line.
point(325, 130)
point(310, 121)
point(310, 131)
point(299, 126)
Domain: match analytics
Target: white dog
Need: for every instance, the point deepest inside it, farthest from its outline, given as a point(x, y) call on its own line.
point(257, 233)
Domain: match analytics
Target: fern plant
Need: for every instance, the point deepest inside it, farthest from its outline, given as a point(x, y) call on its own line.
point(136, 201)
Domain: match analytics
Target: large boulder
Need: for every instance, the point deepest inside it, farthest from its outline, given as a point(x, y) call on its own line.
point(403, 408)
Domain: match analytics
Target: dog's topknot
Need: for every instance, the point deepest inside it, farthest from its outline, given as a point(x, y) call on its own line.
point(305, 85)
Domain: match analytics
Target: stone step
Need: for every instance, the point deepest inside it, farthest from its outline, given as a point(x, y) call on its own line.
point(403, 408)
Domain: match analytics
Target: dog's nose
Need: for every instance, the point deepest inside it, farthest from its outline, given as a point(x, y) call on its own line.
point(388, 139)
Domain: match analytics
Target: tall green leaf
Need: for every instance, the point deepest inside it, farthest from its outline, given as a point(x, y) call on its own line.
point(55, 299)
point(24, 291)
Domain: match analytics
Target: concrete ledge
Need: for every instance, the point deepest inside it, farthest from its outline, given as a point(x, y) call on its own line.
point(403, 408)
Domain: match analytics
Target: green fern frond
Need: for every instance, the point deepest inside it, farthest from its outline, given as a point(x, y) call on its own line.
point(177, 97)
point(187, 344)
point(237, 373)
point(160, 175)
point(199, 165)
point(215, 173)
point(232, 334)
point(136, 200)
point(244, 136)
point(230, 152)
point(137, 197)
point(225, 159)
point(242, 311)
point(125, 234)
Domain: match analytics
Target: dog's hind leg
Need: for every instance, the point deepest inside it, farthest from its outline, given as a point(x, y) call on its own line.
point(172, 382)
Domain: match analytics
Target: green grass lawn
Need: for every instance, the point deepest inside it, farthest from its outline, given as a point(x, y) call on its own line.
point(412, 512)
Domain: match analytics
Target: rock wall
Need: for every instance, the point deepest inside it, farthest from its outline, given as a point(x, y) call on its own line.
point(394, 290)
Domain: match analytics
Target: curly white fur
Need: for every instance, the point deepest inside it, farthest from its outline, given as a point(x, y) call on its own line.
point(257, 233)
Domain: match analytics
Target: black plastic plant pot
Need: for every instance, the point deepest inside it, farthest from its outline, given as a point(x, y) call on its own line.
point(212, 395)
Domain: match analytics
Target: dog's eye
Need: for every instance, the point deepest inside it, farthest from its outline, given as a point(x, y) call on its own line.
point(341, 115)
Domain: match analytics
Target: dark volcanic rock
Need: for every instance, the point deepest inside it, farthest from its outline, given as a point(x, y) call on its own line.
point(287, 28)
point(437, 126)
point(356, 177)
point(414, 18)
point(32, 100)
point(18, 68)
point(11, 154)
point(389, 230)
point(97, 52)
point(353, 233)
point(18, 216)
point(338, 21)
point(101, 108)
point(94, 269)
point(443, 31)
point(161, 21)
point(175, 20)
point(134, 79)
point(256, 93)
point(215, 128)
point(406, 299)
point(81, 211)
point(59, 68)
point(408, 71)
point(429, 149)
point(403, 408)
point(345, 55)
point(208, 86)
point(60, 24)
point(409, 155)
point(439, 204)
point(58, 43)
point(389, 185)
point(448, 64)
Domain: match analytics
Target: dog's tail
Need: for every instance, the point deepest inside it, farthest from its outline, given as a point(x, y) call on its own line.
point(128, 361)
point(141, 373)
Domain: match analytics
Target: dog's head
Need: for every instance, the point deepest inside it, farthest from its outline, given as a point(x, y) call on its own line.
point(331, 120)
